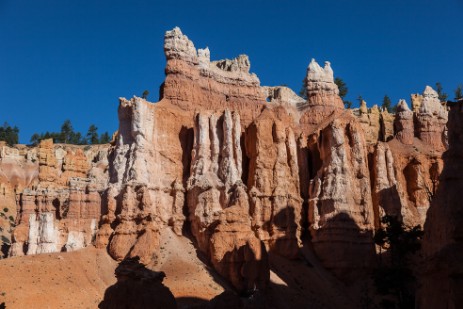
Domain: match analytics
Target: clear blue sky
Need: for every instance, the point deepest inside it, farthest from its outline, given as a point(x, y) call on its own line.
point(68, 59)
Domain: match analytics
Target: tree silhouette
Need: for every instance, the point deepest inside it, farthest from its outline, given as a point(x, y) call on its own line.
point(9, 134)
point(92, 135)
point(66, 132)
point(442, 95)
point(105, 138)
point(341, 86)
point(145, 94)
point(386, 103)
point(459, 92)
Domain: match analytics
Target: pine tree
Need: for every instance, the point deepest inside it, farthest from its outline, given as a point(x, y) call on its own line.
point(67, 132)
point(35, 139)
point(442, 95)
point(92, 135)
point(459, 92)
point(9, 134)
point(105, 138)
point(341, 86)
point(386, 103)
point(145, 94)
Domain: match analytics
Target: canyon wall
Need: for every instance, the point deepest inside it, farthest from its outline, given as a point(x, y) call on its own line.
point(52, 193)
point(442, 272)
point(244, 170)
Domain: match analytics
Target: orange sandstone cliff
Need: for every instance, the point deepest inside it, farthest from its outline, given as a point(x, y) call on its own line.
point(247, 171)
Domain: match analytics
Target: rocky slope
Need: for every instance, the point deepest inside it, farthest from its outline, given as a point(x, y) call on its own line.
point(247, 171)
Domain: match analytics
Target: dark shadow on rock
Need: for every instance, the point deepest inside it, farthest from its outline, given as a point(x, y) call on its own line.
point(136, 288)
point(344, 248)
point(245, 270)
point(227, 300)
point(285, 229)
point(5, 248)
point(389, 200)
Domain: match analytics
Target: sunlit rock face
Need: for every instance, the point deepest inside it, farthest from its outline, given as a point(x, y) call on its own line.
point(56, 196)
point(247, 171)
point(431, 120)
point(403, 123)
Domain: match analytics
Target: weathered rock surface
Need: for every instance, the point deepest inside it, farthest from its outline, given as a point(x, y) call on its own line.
point(273, 182)
point(403, 123)
point(56, 196)
point(431, 120)
point(404, 180)
point(371, 122)
point(340, 210)
point(441, 283)
point(323, 98)
point(194, 82)
point(245, 169)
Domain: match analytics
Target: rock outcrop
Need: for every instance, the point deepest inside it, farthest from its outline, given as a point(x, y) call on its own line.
point(194, 82)
point(56, 196)
point(431, 120)
point(243, 169)
point(340, 210)
point(403, 123)
point(273, 182)
point(371, 122)
point(323, 98)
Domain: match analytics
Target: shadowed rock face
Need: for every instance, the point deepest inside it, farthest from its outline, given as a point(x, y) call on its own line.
point(340, 205)
point(442, 273)
point(246, 169)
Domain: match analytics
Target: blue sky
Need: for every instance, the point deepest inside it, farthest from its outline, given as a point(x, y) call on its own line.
point(65, 59)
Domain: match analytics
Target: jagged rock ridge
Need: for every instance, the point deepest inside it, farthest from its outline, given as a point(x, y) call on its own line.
point(246, 169)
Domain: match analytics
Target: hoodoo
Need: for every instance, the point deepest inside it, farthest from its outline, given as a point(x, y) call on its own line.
point(253, 177)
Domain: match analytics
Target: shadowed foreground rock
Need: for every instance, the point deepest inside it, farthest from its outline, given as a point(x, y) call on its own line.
point(442, 275)
point(137, 288)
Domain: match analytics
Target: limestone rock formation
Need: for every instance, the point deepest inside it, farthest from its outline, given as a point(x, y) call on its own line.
point(236, 253)
point(403, 123)
point(210, 85)
point(431, 119)
point(387, 126)
point(219, 204)
point(341, 214)
point(216, 168)
point(416, 100)
point(321, 89)
point(245, 170)
point(273, 182)
point(322, 93)
point(371, 122)
point(146, 189)
point(56, 196)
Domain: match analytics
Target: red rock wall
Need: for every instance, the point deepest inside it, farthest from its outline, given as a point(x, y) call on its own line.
point(244, 168)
